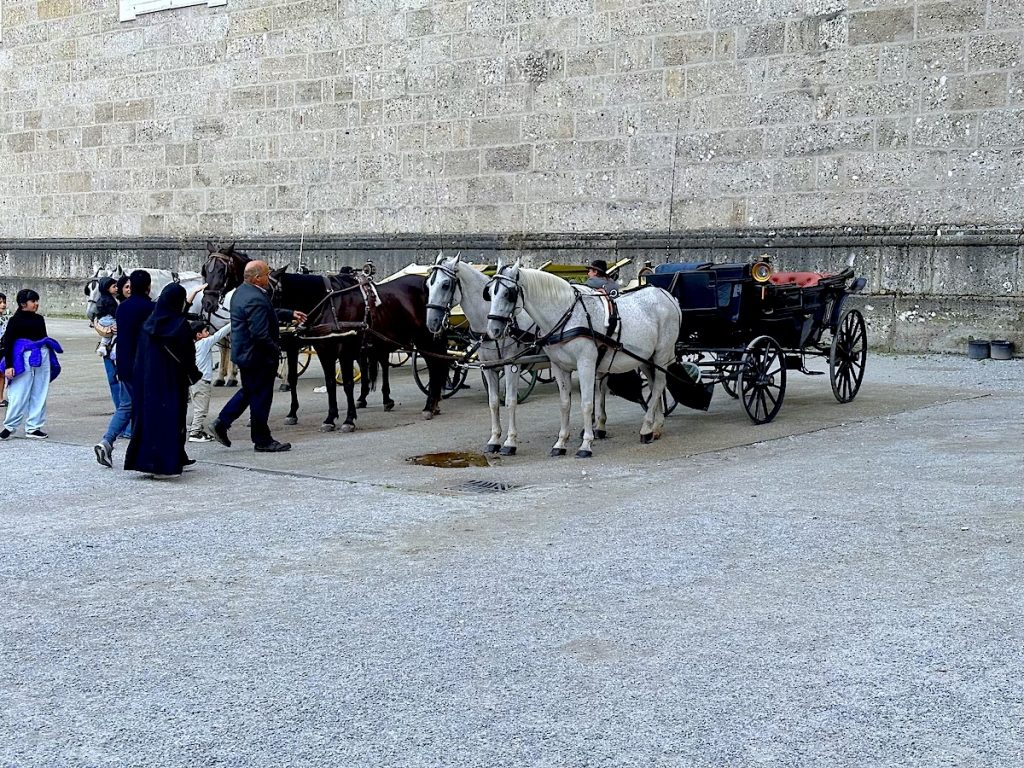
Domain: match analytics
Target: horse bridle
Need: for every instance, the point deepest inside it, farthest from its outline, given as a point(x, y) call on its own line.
point(513, 285)
point(445, 309)
point(229, 264)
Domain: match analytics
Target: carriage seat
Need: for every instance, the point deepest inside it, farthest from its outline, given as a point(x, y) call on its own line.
point(799, 279)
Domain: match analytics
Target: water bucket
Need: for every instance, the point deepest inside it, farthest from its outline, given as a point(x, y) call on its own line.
point(1001, 349)
point(977, 349)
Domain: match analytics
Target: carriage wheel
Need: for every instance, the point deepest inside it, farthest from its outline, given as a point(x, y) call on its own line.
point(729, 384)
point(847, 356)
point(305, 355)
point(400, 357)
point(453, 380)
point(545, 376)
point(357, 372)
point(527, 380)
point(762, 379)
point(668, 402)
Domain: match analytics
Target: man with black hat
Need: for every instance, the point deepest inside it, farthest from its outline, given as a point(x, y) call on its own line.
point(597, 277)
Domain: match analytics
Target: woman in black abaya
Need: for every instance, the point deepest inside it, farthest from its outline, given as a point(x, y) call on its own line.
point(165, 367)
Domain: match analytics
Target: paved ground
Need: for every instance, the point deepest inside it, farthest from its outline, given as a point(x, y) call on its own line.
point(839, 588)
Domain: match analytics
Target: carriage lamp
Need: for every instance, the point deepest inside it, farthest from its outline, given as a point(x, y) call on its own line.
point(761, 271)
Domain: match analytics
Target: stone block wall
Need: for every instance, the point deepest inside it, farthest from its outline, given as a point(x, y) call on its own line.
point(377, 119)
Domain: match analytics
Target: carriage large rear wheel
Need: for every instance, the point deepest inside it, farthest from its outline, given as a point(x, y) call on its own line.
point(762, 380)
point(454, 378)
point(847, 356)
point(526, 380)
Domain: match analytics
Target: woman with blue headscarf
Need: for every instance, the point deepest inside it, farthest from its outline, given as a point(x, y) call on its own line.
point(165, 367)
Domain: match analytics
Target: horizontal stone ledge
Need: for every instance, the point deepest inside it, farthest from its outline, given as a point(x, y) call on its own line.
point(932, 235)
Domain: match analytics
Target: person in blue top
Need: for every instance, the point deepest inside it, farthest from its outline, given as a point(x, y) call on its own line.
point(255, 349)
point(132, 313)
point(29, 362)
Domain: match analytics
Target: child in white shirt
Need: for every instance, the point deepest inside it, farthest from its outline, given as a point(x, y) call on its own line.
point(201, 390)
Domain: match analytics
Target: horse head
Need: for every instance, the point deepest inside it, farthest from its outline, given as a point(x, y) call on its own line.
point(221, 272)
point(92, 287)
point(504, 294)
point(274, 287)
point(442, 284)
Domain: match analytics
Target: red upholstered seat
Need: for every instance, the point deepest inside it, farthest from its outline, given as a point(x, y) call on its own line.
point(800, 279)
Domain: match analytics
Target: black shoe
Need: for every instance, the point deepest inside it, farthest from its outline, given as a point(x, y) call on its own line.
point(220, 433)
point(188, 462)
point(273, 447)
point(5, 434)
point(37, 434)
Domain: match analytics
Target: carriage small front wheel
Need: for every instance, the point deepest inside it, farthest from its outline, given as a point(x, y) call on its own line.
point(847, 356)
point(762, 380)
point(454, 378)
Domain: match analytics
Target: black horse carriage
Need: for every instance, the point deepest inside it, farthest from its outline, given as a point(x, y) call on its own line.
point(745, 326)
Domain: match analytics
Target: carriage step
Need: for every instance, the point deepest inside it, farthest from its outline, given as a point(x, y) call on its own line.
point(811, 373)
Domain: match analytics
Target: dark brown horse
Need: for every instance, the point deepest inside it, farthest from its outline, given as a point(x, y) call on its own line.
point(386, 317)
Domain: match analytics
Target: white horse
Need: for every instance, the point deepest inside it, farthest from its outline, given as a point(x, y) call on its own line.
point(451, 282)
point(578, 333)
point(160, 279)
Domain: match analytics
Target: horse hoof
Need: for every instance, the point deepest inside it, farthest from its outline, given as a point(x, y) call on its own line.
point(389, 405)
point(291, 421)
point(428, 415)
point(601, 434)
point(348, 428)
point(508, 450)
point(491, 448)
point(581, 454)
point(360, 403)
point(231, 383)
point(327, 427)
point(647, 439)
point(218, 383)
point(558, 451)
point(284, 387)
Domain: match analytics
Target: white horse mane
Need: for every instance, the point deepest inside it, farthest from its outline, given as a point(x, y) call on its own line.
point(545, 287)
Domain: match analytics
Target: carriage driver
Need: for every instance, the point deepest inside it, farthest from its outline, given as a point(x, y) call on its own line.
point(597, 277)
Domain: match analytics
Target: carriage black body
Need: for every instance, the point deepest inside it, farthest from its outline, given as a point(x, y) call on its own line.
point(745, 331)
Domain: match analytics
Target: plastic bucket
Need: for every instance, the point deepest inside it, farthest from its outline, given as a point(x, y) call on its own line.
point(1001, 349)
point(978, 349)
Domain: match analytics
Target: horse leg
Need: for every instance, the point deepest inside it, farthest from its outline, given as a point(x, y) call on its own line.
point(511, 403)
point(326, 357)
point(385, 382)
point(654, 416)
point(437, 368)
point(564, 381)
point(491, 385)
point(292, 377)
point(368, 367)
point(586, 369)
point(225, 361)
point(600, 414)
point(347, 384)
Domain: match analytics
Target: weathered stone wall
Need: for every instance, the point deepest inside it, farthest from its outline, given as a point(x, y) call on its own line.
point(384, 116)
point(356, 120)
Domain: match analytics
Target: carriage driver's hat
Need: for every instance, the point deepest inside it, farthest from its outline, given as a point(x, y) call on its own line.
point(600, 266)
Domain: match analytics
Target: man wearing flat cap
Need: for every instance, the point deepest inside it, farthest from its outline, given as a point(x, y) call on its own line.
point(597, 277)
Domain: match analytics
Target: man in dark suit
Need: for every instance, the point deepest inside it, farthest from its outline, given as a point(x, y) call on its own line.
point(131, 315)
point(255, 349)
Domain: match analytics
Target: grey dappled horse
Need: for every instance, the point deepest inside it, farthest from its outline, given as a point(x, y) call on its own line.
point(452, 281)
point(573, 323)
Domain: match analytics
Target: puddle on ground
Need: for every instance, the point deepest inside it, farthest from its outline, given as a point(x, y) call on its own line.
point(450, 460)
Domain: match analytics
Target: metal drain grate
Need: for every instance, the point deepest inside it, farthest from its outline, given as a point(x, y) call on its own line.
point(482, 486)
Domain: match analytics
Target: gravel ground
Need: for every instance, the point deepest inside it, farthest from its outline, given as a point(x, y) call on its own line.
point(842, 595)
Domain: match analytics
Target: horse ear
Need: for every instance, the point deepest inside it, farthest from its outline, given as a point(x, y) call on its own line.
point(210, 247)
point(440, 257)
point(518, 263)
point(458, 257)
point(230, 249)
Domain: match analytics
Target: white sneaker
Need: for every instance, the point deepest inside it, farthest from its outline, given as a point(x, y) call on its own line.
point(200, 437)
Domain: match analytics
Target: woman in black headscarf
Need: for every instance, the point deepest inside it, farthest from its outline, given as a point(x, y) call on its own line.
point(165, 367)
